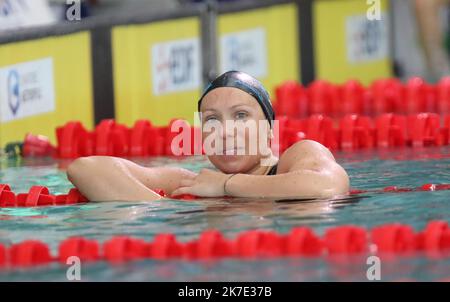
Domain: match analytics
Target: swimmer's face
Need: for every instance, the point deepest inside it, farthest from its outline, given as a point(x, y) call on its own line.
point(234, 124)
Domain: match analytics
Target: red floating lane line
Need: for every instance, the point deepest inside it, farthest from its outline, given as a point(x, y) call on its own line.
point(185, 197)
point(272, 245)
point(212, 244)
point(442, 187)
point(7, 198)
point(60, 199)
point(348, 131)
point(346, 240)
point(139, 138)
point(75, 196)
point(4, 187)
point(161, 192)
point(436, 236)
point(303, 241)
point(86, 250)
point(40, 196)
point(428, 187)
point(390, 239)
point(34, 194)
point(21, 199)
point(123, 248)
point(398, 114)
point(29, 253)
point(356, 191)
point(248, 244)
point(165, 246)
point(37, 146)
point(2, 255)
point(394, 238)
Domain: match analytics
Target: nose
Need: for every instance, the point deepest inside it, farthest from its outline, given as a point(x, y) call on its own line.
point(227, 131)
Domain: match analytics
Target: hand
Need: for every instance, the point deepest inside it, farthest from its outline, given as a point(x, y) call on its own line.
point(207, 183)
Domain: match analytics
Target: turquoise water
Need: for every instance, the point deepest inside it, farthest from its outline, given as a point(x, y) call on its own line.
point(101, 221)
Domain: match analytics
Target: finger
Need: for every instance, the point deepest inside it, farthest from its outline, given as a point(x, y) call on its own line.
point(186, 182)
point(191, 176)
point(205, 171)
point(181, 191)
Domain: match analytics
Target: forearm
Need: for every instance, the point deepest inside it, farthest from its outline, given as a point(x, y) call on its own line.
point(165, 178)
point(106, 179)
point(297, 184)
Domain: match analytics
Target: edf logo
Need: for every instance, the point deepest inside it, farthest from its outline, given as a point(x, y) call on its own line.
point(14, 91)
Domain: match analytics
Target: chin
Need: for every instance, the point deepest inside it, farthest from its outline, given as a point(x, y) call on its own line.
point(232, 164)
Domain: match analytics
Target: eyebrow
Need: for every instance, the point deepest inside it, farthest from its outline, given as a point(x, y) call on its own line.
point(232, 107)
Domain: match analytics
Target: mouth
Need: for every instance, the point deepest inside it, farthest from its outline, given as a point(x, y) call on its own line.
point(234, 151)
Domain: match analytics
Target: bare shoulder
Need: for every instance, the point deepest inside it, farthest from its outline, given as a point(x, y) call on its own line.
point(306, 150)
point(306, 154)
point(313, 156)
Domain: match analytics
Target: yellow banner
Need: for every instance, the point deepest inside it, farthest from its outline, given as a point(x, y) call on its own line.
point(157, 70)
point(262, 42)
point(351, 40)
point(44, 83)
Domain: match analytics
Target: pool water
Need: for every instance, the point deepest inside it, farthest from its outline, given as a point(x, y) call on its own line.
point(187, 219)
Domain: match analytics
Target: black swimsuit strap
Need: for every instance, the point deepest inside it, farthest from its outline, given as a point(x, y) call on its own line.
point(273, 170)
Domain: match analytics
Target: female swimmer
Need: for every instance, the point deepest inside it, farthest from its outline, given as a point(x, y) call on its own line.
point(306, 169)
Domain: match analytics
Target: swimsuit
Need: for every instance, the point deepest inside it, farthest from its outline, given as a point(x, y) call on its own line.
point(273, 170)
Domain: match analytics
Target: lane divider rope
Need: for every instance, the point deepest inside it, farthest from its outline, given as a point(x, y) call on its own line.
point(351, 132)
point(40, 195)
point(389, 240)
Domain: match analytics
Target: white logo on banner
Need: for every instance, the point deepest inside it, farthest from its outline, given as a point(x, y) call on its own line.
point(26, 89)
point(176, 66)
point(244, 51)
point(15, 14)
point(367, 40)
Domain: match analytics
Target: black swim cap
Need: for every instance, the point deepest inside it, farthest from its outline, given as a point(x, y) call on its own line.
point(246, 83)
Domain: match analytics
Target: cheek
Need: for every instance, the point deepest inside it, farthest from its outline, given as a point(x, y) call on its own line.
point(209, 136)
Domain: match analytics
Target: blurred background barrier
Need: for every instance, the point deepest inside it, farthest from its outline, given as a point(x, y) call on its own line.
point(139, 63)
point(347, 45)
point(157, 68)
point(260, 40)
point(45, 82)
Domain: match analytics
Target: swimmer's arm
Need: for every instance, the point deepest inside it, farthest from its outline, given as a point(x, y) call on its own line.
point(307, 169)
point(296, 184)
point(104, 178)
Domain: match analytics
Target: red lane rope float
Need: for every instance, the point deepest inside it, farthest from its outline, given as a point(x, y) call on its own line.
point(395, 189)
point(86, 250)
point(395, 107)
point(382, 96)
point(114, 139)
point(40, 196)
point(350, 132)
point(29, 253)
point(384, 240)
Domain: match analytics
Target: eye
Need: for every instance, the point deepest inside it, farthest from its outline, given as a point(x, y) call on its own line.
point(210, 118)
point(241, 115)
